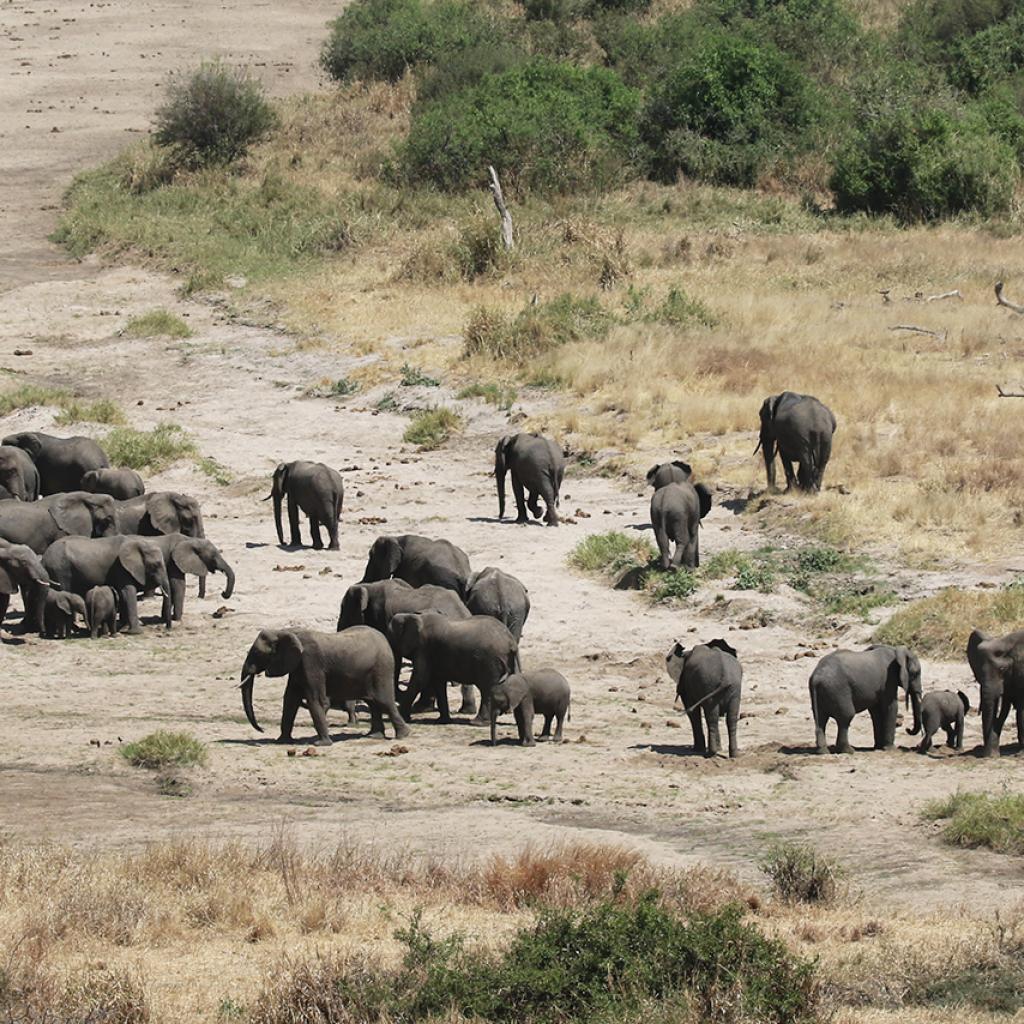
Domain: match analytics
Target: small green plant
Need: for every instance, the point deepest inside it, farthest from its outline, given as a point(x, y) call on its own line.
point(610, 552)
point(500, 395)
point(679, 310)
point(73, 410)
point(171, 784)
point(164, 750)
point(981, 819)
point(665, 587)
point(752, 576)
point(387, 403)
point(342, 387)
point(431, 428)
point(216, 471)
point(27, 395)
point(159, 323)
point(152, 449)
point(413, 376)
point(799, 874)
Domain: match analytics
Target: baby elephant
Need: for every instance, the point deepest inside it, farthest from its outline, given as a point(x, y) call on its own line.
point(544, 692)
point(708, 678)
point(59, 614)
point(101, 611)
point(943, 710)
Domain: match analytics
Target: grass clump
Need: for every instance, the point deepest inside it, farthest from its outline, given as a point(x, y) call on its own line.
point(413, 376)
point(799, 874)
point(104, 410)
point(980, 819)
point(216, 471)
point(28, 395)
point(161, 750)
point(665, 587)
point(158, 323)
point(152, 449)
point(431, 428)
point(500, 395)
point(610, 552)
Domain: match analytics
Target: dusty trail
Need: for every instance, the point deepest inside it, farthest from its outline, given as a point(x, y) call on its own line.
point(239, 391)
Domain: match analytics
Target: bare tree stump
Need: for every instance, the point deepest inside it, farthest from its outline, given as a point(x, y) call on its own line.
point(506, 217)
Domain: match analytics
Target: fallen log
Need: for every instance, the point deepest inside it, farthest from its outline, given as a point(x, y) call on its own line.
point(1004, 393)
point(941, 335)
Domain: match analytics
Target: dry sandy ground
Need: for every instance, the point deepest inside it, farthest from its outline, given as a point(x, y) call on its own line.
point(627, 773)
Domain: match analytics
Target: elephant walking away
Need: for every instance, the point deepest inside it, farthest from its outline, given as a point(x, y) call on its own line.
point(313, 488)
point(60, 610)
point(669, 473)
point(500, 595)
point(418, 561)
point(101, 611)
point(998, 665)
point(543, 692)
point(19, 477)
point(61, 461)
point(325, 670)
point(537, 466)
point(21, 567)
point(709, 680)
point(121, 484)
point(676, 512)
point(845, 683)
point(196, 556)
point(943, 710)
point(799, 429)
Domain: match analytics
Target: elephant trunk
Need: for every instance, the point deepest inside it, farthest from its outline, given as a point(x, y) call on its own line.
point(768, 448)
point(499, 479)
point(494, 724)
point(229, 587)
point(277, 516)
point(246, 688)
point(202, 587)
point(915, 700)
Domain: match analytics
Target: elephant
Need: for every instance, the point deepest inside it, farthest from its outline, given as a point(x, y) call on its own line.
point(799, 428)
point(21, 567)
point(39, 523)
point(709, 679)
point(101, 605)
point(160, 512)
point(998, 666)
point(118, 483)
point(943, 710)
point(479, 651)
point(325, 670)
point(676, 512)
point(314, 488)
point(60, 608)
point(128, 564)
point(61, 461)
point(19, 477)
point(844, 683)
point(418, 561)
point(195, 555)
point(537, 466)
point(496, 593)
point(544, 691)
point(669, 473)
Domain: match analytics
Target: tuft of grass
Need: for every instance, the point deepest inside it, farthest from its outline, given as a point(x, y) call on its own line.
point(666, 587)
point(799, 874)
point(610, 552)
point(413, 376)
point(28, 395)
point(162, 750)
point(104, 410)
point(152, 449)
point(216, 471)
point(981, 819)
point(431, 428)
point(158, 323)
point(499, 395)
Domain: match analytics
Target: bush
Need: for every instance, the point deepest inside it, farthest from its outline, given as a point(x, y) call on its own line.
point(148, 449)
point(432, 427)
point(467, 67)
point(610, 552)
point(677, 585)
point(413, 376)
point(155, 324)
point(104, 410)
point(546, 126)
point(213, 115)
point(162, 749)
point(978, 819)
point(801, 875)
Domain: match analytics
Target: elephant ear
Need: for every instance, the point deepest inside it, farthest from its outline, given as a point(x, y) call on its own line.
point(684, 467)
point(27, 442)
point(132, 561)
point(187, 558)
point(652, 473)
point(517, 689)
point(280, 479)
point(287, 654)
point(162, 513)
point(392, 554)
point(71, 516)
point(902, 657)
point(704, 498)
point(63, 601)
point(722, 646)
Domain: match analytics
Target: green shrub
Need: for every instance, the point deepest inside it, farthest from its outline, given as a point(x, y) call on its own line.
point(216, 471)
point(930, 29)
point(432, 427)
point(677, 585)
point(989, 57)
point(148, 449)
point(799, 874)
point(467, 67)
point(753, 576)
point(413, 376)
point(642, 51)
point(155, 324)
point(162, 749)
point(546, 126)
point(27, 395)
point(73, 410)
point(212, 115)
point(500, 395)
point(610, 552)
point(479, 249)
point(980, 819)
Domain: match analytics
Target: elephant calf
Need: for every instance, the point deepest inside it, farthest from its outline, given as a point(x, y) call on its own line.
point(544, 692)
point(708, 678)
point(500, 595)
point(799, 429)
point(101, 611)
point(943, 710)
point(669, 473)
point(60, 610)
point(21, 567)
point(537, 466)
point(121, 484)
point(313, 488)
point(676, 512)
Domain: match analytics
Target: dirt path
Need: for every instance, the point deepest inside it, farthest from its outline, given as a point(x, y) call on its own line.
point(239, 391)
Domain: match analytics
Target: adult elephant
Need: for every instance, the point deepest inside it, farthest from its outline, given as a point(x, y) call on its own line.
point(500, 595)
point(478, 651)
point(128, 564)
point(418, 561)
point(61, 461)
point(118, 483)
point(669, 473)
point(40, 523)
point(314, 488)
point(19, 477)
point(196, 556)
point(160, 512)
point(845, 683)
point(676, 512)
point(998, 666)
point(537, 466)
point(21, 567)
point(709, 679)
point(799, 428)
point(325, 670)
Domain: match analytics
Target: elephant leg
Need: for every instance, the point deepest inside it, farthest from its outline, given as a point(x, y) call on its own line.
point(698, 731)
point(843, 736)
point(469, 704)
point(732, 717)
point(5, 600)
point(545, 733)
point(951, 736)
point(787, 466)
point(678, 555)
point(714, 735)
point(926, 743)
point(524, 722)
point(177, 597)
point(289, 709)
point(689, 552)
point(483, 716)
point(293, 522)
point(547, 492)
point(517, 490)
point(397, 722)
point(820, 742)
point(130, 610)
point(319, 715)
point(332, 532)
point(441, 696)
point(559, 720)
point(664, 546)
point(887, 726)
point(805, 478)
point(1020, 727)
point(376, 720)
point(350, 710)
point(533, 504)
point(314, 529)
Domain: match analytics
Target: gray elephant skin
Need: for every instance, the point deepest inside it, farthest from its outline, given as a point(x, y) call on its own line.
point(39, 524)
point(500, 595)
point(21, 567)
point(676, 512)
point(313, 488)
point(325, 670)
point(61, 461)
point(998, 667)
point(709, 681)
point(478, 651)
point(195, 556)
point(19, 477)
point(942, 710)
point(537, 466)
point(542, 692)
point(669, 473)
point(845, 683)
point(121, 484)
point(418, 561)
point(799, 429)
point(101, 607)
point(129, 564)
point(60, 610)
point(160, 512)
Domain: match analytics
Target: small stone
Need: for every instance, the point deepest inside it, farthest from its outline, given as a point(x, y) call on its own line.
point(291, 751)
point(673, 724)
point(23, 351)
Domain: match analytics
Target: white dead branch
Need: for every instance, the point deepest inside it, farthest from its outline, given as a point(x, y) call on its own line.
point(499, 202)
point(1010, 391)
point(941, 335)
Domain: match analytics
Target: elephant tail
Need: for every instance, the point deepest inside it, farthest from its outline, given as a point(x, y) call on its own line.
point(707, 696)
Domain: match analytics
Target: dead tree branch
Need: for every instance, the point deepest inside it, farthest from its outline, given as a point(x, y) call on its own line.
point(1009, 392)
point(499, 202)
point(1006, 302)
point(941, 335)
point(954, 294)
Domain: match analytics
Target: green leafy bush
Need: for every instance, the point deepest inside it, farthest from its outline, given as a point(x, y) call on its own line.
point(980, 819)
point(799, 874)
point(610, 552)
point(163, 749)
point(213, 115)
point(665, 587)
point(432, 427)
point(148, 449)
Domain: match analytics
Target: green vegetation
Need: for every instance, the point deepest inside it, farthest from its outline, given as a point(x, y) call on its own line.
point(157, 323)
point(666, 587)
point(152, 449)
point(216, 471)
point(27, 395)
point(413, 376)
point(500, 395)
point(611, 552)
point(799, 874)
point(162, 750)
point(431, 428)
point(73, 410)
point(998, 988)
point(979, 819)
